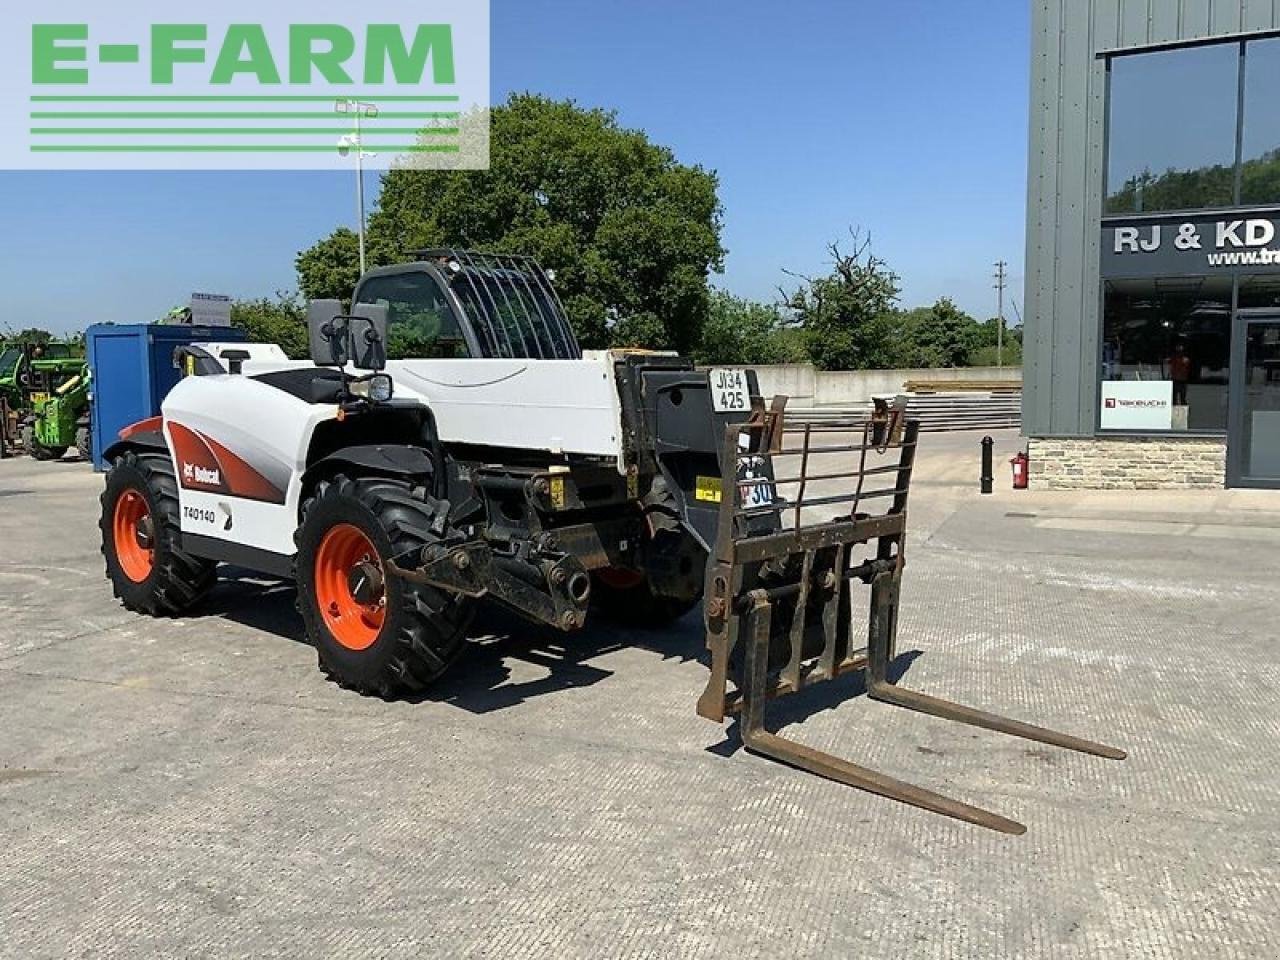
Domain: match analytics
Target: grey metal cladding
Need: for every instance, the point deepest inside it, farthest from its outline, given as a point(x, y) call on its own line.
point(1065, 181)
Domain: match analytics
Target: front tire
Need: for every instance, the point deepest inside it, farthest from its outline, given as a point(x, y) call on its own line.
point(36, 449)
point(148, 570)
point(374, 632)
point(84, 443)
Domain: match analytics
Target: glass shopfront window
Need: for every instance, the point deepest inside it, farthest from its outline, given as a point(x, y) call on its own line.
point(1166, 354)
point(1172, 129)
point(1260, 147)
point(1259, 291)
point(1181, 137)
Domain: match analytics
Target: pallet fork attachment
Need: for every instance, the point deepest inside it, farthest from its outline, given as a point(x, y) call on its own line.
point(779, 607)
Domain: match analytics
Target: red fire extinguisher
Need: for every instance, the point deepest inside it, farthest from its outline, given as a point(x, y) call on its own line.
point(1021, 471)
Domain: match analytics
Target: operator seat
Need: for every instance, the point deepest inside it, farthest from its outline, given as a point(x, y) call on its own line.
point(308, 384)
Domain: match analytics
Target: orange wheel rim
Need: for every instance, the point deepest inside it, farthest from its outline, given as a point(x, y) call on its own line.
point(134, 540)
point(354, 623)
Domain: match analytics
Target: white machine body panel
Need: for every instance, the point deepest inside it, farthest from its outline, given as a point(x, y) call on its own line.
point(239, 449)
point(240, 445)
point(561, 406)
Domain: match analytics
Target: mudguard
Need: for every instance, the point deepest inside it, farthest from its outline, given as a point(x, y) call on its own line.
point(411, 463)
point(144, 435)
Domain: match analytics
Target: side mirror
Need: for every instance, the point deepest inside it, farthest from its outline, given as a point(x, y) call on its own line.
point(368, 325)
point(327, 333)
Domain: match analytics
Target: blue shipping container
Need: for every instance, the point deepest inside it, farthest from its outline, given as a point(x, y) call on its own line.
point(133, 371)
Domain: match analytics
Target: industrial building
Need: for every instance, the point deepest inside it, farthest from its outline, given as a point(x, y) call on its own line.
point(1152, 354)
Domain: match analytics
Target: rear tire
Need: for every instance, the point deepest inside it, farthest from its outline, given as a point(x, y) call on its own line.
point(148, 571)
point(636, 605)
point(677, 563)
point(396, 638)
point(84, 443)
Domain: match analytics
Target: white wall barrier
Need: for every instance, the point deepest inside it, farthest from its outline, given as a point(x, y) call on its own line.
point(808, 387)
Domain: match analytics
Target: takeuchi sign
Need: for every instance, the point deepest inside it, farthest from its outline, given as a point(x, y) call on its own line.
point(1191, 247)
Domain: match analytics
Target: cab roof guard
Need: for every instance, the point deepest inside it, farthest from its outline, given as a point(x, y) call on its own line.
point(511, 303)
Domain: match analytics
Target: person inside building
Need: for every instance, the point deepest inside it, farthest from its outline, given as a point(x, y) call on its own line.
point(1180, 373)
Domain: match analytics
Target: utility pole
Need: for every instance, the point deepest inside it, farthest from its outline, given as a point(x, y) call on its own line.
point(1002, 280)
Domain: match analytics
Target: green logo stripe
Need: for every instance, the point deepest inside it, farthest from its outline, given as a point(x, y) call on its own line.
point(233, 148)
point(207, 115)
point(374, 98)
point(238, 131)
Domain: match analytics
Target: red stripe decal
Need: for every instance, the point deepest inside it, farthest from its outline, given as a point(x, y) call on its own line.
point(208, 466)
point(142, 426)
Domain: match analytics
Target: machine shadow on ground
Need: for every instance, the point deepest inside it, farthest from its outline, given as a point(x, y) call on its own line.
point(484, 680)
point(809, 702)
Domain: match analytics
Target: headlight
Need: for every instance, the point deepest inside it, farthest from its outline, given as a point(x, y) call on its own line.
point(380, 388)
point(377, 388)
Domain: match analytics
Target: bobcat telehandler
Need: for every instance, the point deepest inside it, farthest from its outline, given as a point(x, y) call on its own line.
point(503, 463)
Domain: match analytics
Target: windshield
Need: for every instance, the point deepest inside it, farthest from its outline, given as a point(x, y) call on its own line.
point(9, 360)
point(420, 324)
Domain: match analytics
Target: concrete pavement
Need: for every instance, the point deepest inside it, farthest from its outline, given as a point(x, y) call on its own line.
point(194, 787)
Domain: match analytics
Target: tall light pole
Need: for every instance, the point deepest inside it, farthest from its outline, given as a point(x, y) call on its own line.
point(1002, 279)
point(358, 110)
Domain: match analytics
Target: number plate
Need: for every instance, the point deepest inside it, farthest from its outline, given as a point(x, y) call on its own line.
point(761, 493)
point(729, 393)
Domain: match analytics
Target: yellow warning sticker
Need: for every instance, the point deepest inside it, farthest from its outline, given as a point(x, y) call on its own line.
point(557, 493)
point(708, 489)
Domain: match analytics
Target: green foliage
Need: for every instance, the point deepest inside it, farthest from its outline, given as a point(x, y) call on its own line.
point(414, 334)
point(330, 269)
point(1174, 190)
point(848, 320)
point(29, 335)
point(1260, 179)
point(848, 315)
point(985, 353)
point(282, 321)
point(939, 336)
point(631, 233)
point(1212, 186)
point(741, 331)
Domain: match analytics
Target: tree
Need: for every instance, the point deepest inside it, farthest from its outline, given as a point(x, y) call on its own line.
point(631, 234)
point(985, 352)
point(946, 336)
point(847, 315)
point(281, 321)
point(29, 335)
point(330, 269)
point(740, 331)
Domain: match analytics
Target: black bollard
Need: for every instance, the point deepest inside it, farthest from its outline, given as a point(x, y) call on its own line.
point(988, 477)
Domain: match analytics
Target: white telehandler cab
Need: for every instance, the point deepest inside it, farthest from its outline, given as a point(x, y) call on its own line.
point(491, 459)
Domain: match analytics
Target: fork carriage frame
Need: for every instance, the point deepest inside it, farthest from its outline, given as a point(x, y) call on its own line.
point(768, 561)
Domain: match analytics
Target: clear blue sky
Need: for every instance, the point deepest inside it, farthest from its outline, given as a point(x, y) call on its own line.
point(908, 118)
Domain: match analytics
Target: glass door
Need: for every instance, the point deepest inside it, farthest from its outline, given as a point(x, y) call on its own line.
point(1255, 413)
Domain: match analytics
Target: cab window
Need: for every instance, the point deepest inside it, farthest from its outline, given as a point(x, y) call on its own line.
point(419, 321)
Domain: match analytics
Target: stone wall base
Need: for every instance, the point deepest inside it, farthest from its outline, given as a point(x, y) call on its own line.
point(1128, 463)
